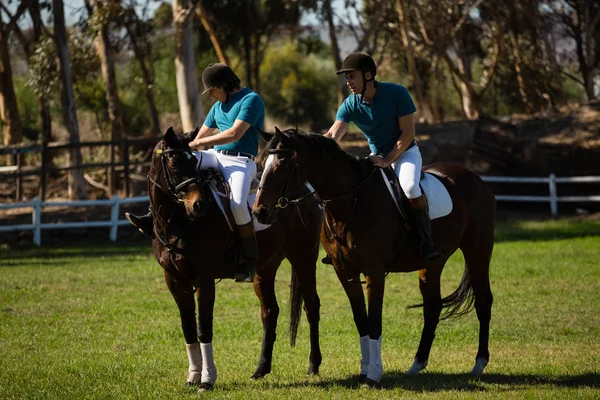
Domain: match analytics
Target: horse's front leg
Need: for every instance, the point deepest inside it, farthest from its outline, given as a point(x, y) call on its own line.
point(356, 296)
point(183, 294)
point(206, 302)
point(375, 290)
point(264, 287)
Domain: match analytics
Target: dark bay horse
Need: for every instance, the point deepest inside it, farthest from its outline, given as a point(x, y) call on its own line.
point(365, 233)
point(191, 241)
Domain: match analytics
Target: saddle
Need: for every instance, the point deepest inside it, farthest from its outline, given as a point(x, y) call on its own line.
point(438, 198)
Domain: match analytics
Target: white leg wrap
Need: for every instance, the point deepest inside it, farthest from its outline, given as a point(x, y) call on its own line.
point(364, 351)
point(375, 365)
point(209, 370)
point(415, 368)
point(195, 361)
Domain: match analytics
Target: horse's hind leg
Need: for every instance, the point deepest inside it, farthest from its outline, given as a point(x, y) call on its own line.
point(477, 260)
point(264, 287)
point(429, 285)
point(304, 266)
point(184, 297)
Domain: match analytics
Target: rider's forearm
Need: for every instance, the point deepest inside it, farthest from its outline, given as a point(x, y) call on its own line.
point(400, 147)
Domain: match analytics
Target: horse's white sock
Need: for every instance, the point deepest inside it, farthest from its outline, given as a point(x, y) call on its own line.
point(209, 370)
point(375, 365)
point(364, 351)
point(195, 362)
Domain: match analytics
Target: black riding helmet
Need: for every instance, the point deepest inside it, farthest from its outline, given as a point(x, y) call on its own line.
point(219, 75)
point(360, 62)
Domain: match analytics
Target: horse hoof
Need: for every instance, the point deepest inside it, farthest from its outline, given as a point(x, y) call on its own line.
point(479, 366)
point(416, 368)
point(204, 387)
point(370, 383)
point(362, 378)
point(258, 375)
point(312, 371)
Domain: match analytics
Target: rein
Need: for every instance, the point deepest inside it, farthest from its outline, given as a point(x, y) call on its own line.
point(284, 202)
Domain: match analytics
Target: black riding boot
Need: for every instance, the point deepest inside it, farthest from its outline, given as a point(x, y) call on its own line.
point(250, 249)
point(419, 213)
point(144, 223)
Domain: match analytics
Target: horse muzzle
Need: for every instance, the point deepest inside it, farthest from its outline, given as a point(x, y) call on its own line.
point(264, 215)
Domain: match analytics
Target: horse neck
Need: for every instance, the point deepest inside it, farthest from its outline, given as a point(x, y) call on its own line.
point(335, 177)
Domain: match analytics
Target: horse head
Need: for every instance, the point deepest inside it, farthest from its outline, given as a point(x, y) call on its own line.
point(175, 171)
point(282, 176)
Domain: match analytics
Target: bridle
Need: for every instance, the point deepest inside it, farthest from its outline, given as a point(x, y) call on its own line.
point(173, 188)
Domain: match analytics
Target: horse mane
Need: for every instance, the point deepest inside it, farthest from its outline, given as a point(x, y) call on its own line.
point(330, 147)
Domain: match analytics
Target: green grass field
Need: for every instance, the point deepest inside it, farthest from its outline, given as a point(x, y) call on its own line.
point(94, 320)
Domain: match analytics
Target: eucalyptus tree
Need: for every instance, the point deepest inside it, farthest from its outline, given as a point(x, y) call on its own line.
point(9, 110)
point(76, 183)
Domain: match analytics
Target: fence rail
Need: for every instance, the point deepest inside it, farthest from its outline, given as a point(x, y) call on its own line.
point(115, 203)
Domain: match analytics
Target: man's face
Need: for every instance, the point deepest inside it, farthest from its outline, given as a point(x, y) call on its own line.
point(354, 80)
point(218, 93)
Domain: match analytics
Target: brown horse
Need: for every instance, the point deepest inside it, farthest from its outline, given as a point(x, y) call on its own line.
point(365, 233)
point(193, 243)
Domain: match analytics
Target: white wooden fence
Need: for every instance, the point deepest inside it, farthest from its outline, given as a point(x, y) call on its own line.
point(37, 206)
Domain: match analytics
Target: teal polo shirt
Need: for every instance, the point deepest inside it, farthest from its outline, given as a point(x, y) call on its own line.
point(245, 105)
point(378, 120)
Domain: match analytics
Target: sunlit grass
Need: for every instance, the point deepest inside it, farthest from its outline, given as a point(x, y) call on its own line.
point(95, 320)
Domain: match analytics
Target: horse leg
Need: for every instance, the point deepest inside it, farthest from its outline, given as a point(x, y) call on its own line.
point(356, 296)
point(305, 269)
point(184, 298)
point(206, 302)
point(264, 287)
point(429, 285)
point(375, 290)
point(477, 262)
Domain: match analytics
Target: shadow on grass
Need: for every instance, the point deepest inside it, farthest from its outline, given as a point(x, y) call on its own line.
point(437, 382)
point(74, 251)
point(509, 231)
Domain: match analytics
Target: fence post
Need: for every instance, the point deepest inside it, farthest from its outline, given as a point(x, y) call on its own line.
point(36, 220)
point(126, 166)
point(553, 199)
point(114, 218)
point(19, 162)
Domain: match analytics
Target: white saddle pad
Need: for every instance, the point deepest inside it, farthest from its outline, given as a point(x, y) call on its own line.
point(219, 199)
point(438, 198)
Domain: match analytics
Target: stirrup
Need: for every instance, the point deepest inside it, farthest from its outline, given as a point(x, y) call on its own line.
point(246, 276)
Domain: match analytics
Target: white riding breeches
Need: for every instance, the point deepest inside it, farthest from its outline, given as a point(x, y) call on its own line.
point(238, 171)
point(408, 170)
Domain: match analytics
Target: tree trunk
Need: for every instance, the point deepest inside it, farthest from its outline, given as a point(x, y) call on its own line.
point(206, 20)
point(422, 106)
point(146, 75)
point(247, 52)
point(520, 81)
point(76, 182)
point(107, 65)
point(9, 110)
point(190, 106)
point(335, 52)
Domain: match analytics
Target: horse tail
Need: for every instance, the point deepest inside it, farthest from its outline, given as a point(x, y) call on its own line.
point(295, 307)
point(459, 302)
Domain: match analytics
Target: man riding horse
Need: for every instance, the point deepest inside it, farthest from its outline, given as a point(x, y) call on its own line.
point(385, 113)
point(238, 114)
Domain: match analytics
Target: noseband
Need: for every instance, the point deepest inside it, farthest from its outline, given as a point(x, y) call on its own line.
point(172, 185)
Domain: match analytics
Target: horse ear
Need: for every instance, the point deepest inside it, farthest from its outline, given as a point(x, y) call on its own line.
point(191, 135)
point(265, 135)
point(170, 137)
point(279, 135)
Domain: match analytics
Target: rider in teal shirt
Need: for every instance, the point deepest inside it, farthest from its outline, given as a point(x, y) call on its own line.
point(384, 112)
